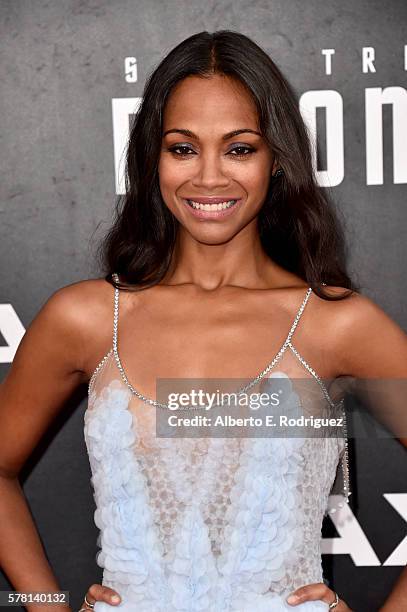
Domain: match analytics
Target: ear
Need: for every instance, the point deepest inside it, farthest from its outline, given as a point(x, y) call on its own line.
point(275, 166)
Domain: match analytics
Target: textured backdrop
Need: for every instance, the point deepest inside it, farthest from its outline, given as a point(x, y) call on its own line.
point(64, 70)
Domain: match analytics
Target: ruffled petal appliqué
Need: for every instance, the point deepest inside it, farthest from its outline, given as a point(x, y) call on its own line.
point(131, 551)
point(260, 530)
point(261, 520)
point(191, 569)
point(192, 573)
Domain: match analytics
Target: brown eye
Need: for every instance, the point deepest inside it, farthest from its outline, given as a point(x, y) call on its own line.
point(239, 150)
point(182, 148)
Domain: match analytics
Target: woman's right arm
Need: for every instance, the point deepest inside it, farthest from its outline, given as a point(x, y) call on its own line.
point(47, 367)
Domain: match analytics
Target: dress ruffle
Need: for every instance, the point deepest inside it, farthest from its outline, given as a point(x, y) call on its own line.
point(259, 541)
point(131, 551)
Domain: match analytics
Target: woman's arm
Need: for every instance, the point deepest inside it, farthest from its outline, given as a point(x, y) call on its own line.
point(397, 599)
point(368, 344)
point(374, 346)
point(46, 369)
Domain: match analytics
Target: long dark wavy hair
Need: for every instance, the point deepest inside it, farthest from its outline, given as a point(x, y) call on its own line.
point(298, 226)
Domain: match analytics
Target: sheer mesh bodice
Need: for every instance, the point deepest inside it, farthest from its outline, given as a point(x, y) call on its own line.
point(211, 524)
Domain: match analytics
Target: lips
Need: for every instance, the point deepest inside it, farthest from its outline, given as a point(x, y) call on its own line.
point(210, 200)
point(203, 210)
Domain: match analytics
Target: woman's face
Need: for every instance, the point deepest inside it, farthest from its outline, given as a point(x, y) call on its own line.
point(202, 160)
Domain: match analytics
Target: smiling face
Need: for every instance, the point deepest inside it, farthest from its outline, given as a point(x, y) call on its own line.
point(212, 151)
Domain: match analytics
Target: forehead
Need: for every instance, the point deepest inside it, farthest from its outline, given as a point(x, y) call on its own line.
point(217, 101)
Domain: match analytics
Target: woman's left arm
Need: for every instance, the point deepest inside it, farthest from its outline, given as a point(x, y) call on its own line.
point(378, 350)
point(371, 348)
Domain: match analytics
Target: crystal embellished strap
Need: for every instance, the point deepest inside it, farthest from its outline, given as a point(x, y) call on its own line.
point(344, 463)
point(298, 316)
point(116, 312)
point(345, 459)
point(96, 371)
point(116, 352)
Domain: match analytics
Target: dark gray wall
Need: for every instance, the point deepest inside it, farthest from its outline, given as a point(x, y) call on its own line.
point(63, 63)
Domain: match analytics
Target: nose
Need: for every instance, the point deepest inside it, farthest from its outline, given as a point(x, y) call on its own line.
point(209, 174)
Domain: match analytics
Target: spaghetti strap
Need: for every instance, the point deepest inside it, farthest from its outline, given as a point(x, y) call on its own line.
point(115, 276)
point(298, 316)
point(115, 349)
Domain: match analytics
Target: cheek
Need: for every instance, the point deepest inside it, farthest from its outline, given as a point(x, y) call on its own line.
point(171, 176)
point(255, 178)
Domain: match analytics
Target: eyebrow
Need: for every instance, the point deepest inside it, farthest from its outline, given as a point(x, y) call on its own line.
point(224, 137)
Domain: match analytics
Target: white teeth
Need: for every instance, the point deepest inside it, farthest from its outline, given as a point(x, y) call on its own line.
point(212, 207)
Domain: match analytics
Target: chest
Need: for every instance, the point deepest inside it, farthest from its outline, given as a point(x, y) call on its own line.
point(193, 335)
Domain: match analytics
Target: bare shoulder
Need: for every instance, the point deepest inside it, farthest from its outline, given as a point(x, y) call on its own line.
point(82, 314)
point(49, 364)
point(81, 298)
point(365, 339)
point(348, 307)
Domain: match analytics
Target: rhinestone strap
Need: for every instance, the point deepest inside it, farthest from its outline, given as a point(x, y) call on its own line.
point(345, 459)
point(344, 464)
point(298, 316)
point(314, 374)
point(116, 354)
point(97, 370)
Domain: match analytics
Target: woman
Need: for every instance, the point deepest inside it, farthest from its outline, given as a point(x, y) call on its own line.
point(224, 253)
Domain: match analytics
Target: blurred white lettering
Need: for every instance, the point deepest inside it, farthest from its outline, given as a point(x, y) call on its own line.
point(352, 539)
point(130, 69)
point(332, 102)
point(328, 59)
point(368, 56)
point(122, 108)
point(375, 97)
point(12, 331)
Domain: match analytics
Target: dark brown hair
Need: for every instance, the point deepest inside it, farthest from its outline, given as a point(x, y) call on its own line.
point(298, 225)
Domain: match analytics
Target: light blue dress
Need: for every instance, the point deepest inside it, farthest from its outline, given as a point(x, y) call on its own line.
point(208, 524)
